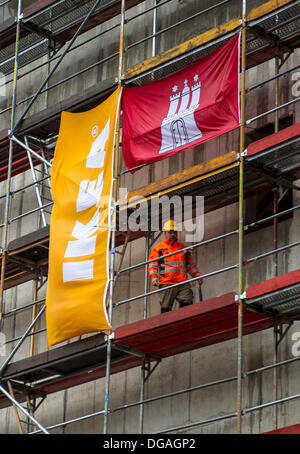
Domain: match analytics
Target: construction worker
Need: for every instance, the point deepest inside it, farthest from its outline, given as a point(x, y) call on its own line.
point(173, 269)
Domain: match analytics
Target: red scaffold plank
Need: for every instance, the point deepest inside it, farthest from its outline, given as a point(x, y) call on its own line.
point(201, 324)
point(271, 285)
point(274, 139)
point(295, 429)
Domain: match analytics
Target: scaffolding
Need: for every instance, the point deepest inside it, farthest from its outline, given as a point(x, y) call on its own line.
point(270, 31)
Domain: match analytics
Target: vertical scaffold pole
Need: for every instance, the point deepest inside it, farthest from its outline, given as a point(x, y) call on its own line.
point(10, 155)
point(36, 185)
point(142, 396)
point(241, 223)
point(113, 216)
point(146, 287)
point(275, 244)
point(143, 367)
point(275, 371)
point(277, 91)
point(275, 190)
point(154, 28)
point(11, 392)
point(22, 409)
point(34, 311)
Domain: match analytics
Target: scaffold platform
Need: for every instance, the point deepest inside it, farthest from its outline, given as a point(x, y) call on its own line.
point(26, 256)
point(271, 27)
point(49, 24)
point(276, 157)
point(199, 325)
point(268, 31)
point(288, 430)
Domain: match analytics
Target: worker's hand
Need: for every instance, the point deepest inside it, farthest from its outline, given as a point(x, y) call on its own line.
point(155, 282)
point(200, 281)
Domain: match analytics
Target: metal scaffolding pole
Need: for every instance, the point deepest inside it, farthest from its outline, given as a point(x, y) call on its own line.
point(142, 395)
point(241, 222)
point(21, 340)
point(275, 191)
point(38, 195)
point(275, 228)
point(11, 392)
point(27, 148)
point(275, 109)
point(183, 21)
point(198, 423)
point(34, 312)
point(275, 370)
point(16, 403)
point(70, 44)
point(194, 279)
point(30, 212)
point(146, 282)
point(241, 263)
point(10, 160)
point(183, 391)
point(149, 400)
point(192, 246)
point(113, 217)
point(154, 27)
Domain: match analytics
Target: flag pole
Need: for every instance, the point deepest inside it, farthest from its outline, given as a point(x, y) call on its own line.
point(113, 218)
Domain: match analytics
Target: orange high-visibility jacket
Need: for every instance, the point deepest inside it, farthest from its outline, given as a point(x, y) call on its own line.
point(173, 269)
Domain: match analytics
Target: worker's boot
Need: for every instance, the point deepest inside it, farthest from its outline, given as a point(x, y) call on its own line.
point(184, 304)
point(164, 309)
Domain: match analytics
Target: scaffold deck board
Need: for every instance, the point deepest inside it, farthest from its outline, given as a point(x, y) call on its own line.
point(27, 255)
point(199, 325)
point(66, 366)
point(270, 26)
point(55, 20)
point(280, 295)
point(275, 139)
point(278, 154)
point(202, 324)
point(294, 429)
point(48, 18)
point(216, 180)
point(193, 173)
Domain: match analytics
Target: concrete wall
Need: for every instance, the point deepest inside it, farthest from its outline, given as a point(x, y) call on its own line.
point(199, 366)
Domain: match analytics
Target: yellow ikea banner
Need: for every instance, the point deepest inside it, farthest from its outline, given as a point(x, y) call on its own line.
point(81, 182)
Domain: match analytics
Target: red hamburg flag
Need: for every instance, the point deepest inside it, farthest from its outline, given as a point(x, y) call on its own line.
point(183, 110)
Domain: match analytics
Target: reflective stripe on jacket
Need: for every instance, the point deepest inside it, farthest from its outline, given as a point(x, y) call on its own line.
point(172, 269)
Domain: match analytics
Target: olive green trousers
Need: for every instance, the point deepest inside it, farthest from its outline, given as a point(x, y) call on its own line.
point(182, 293)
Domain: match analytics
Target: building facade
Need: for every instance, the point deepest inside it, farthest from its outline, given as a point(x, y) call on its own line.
point(219, 378)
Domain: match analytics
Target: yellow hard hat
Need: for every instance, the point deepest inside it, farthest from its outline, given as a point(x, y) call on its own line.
point(170, 225)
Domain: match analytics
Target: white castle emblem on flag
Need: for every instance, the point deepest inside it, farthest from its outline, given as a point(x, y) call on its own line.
point(179, 127)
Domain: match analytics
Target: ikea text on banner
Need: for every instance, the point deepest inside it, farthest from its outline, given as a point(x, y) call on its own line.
point(79, 231)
